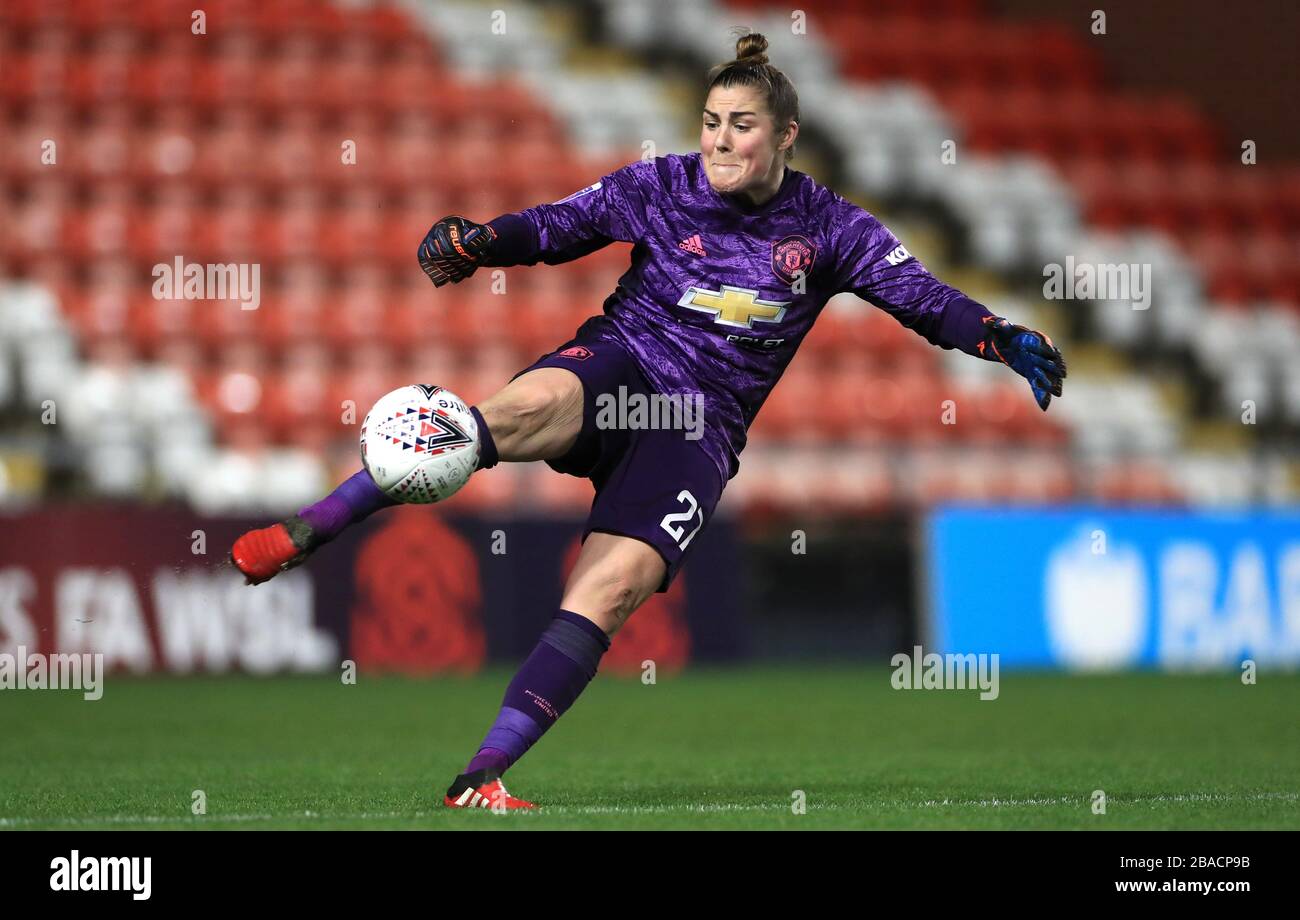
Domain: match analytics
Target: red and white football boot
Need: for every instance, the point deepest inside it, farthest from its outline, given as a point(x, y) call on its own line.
point(262, 554)
point(481, 789)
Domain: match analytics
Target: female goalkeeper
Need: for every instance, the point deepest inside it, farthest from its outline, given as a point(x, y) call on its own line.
point(735, 255)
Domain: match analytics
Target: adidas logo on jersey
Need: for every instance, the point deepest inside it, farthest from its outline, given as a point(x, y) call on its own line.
point(693, 244)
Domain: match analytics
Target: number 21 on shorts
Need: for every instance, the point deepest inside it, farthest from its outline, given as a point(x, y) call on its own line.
point(671, 522)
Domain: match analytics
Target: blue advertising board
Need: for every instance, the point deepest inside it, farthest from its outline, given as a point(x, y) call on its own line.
point(1102, 588)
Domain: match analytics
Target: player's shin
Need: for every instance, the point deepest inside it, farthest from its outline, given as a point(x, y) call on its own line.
point(547, 684)
point(263, 553)
point(359, 497)
point(353, 501)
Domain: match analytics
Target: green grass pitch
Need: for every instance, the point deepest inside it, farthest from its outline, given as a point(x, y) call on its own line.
point(706, 749)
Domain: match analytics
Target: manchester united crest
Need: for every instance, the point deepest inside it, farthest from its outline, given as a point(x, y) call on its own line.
point(792, 257)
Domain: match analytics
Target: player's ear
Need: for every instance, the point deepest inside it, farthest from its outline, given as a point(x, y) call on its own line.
point(788, 136)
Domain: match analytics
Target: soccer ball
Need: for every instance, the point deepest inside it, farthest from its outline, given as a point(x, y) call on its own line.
point(420, 444)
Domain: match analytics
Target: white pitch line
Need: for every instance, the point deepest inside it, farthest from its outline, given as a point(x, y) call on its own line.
point(672, 809)
point(370, 816)
point(133, 819)
point(1117, 800)
point(716, 808)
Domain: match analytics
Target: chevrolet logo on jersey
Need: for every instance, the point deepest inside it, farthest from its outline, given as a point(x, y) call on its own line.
point(733, 306)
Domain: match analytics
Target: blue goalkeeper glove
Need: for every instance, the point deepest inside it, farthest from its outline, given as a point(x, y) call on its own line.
point(453, 249)
point(1028, 352)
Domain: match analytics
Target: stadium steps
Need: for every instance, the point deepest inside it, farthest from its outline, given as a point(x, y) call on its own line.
point(517, 76)
point(1016, 209)
point(995, 197)
point(842, 415)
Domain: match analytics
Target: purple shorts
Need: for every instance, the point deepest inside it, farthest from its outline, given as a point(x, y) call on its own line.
point(652, 484)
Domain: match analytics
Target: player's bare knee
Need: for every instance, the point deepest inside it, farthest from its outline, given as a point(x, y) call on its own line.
point(532, 411)
point(515, 407)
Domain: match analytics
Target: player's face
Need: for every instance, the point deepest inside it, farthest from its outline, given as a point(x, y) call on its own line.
point(741, 148)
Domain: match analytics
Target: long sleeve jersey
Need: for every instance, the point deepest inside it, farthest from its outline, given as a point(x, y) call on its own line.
point(719, 295)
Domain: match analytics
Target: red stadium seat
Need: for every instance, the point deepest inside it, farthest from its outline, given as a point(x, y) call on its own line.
point(229, 148)
point(297, 400)
point(154, 322)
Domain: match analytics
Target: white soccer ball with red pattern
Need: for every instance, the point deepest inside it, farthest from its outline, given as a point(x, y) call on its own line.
point(420, 444)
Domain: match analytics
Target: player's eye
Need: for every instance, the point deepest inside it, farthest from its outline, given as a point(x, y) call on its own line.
point(742, 127)
point(710, 125)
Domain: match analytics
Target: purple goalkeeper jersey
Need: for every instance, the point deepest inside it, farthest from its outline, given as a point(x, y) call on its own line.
point(720, 294)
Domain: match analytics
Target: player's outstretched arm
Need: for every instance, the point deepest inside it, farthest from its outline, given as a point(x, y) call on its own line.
point(1026, 351)
point(873, 264)
point(612, 209)
point(948, 318)
point(455, 248)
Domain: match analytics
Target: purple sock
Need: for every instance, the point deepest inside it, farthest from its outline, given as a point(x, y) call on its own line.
point(546, 685)
point(487, 448)
point(359, 497)
point(355, 500)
